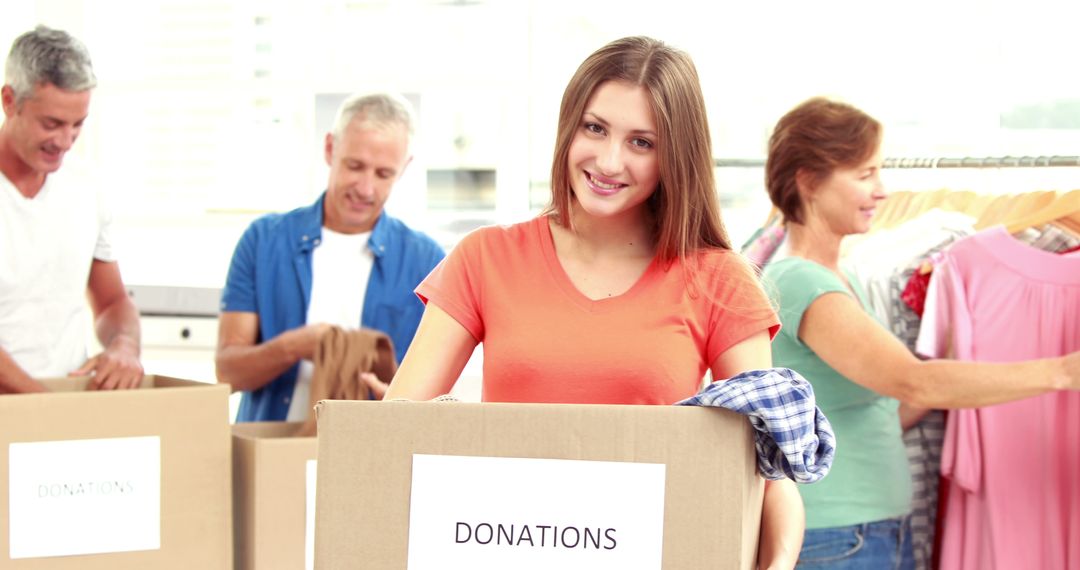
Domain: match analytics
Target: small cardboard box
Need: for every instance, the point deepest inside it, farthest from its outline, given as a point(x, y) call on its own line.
point(270, 491)
point(116, 479)
point(446, 485)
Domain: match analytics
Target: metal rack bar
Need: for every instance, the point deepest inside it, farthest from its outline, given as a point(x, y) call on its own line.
point(967, 162)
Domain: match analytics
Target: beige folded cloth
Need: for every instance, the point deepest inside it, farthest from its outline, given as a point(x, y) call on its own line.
point(339, 359)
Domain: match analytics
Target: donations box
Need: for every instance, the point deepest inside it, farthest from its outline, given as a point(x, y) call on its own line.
point(116, 479)
point(425, 485)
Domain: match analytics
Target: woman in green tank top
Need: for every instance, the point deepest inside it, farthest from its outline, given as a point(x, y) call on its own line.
point(823, 175)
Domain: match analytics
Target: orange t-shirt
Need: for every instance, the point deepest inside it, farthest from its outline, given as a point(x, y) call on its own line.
point(544, 341)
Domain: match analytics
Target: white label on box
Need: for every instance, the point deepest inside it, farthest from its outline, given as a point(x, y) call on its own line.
point(84, 496)
point(497, 513)
point(309, 510)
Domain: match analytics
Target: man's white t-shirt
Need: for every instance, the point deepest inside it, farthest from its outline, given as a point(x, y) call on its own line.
point(47, 244)
point(340, 267)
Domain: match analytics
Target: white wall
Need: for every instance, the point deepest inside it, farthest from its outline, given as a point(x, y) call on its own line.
point(205, 115)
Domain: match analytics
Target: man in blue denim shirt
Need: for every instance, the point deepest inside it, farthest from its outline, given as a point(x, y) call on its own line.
point(340, 261)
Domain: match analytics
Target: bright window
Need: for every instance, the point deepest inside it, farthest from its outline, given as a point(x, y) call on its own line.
point(209, 113)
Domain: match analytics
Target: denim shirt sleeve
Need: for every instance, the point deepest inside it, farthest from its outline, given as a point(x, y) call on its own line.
point(239, 291)
point(404, 258)
point(413, 309)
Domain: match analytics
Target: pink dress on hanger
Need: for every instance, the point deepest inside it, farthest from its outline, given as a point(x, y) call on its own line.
point(1014, 469)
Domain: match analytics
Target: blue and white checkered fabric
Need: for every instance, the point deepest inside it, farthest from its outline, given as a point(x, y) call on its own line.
point(792, 437)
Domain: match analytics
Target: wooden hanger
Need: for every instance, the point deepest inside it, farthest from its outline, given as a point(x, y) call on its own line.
point(997, 210)
point(900, 214)
point(922, 203)
point(1070, 224)
point(1026, 204)
point(904, 205)
point(1060, 208)
point(958, 201)
point(978, 205)
point(932, 199)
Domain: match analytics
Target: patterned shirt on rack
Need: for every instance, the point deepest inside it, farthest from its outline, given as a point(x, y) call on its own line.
point(762, 246)
point(1049, 237)
point(792, 436)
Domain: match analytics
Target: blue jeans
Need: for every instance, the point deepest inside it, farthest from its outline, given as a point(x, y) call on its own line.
point(877, 545)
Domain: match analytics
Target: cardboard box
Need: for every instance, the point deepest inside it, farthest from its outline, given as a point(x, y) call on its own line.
point(119, 479)
point(407, 485)
point(270, 485)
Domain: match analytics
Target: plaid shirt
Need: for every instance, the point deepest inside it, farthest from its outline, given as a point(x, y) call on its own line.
point(792, 436)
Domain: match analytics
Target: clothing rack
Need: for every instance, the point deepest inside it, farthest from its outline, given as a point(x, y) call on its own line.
point(967, 162)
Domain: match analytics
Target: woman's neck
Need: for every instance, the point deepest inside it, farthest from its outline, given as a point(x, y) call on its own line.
point(815, 242)
point(630, 234)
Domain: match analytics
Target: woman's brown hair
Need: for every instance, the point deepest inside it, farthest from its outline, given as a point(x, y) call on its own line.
point(816, 137)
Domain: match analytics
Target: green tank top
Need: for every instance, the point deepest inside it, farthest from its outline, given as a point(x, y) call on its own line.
point(870, 479)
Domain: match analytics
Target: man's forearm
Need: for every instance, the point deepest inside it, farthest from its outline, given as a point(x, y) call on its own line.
point(250, 367)
point(119, 324)
point(13, 379)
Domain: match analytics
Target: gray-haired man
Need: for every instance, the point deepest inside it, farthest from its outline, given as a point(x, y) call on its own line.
point(55, 251)
point(340, 261)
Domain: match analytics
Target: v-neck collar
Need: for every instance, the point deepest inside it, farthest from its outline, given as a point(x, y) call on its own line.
point(562, 280)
